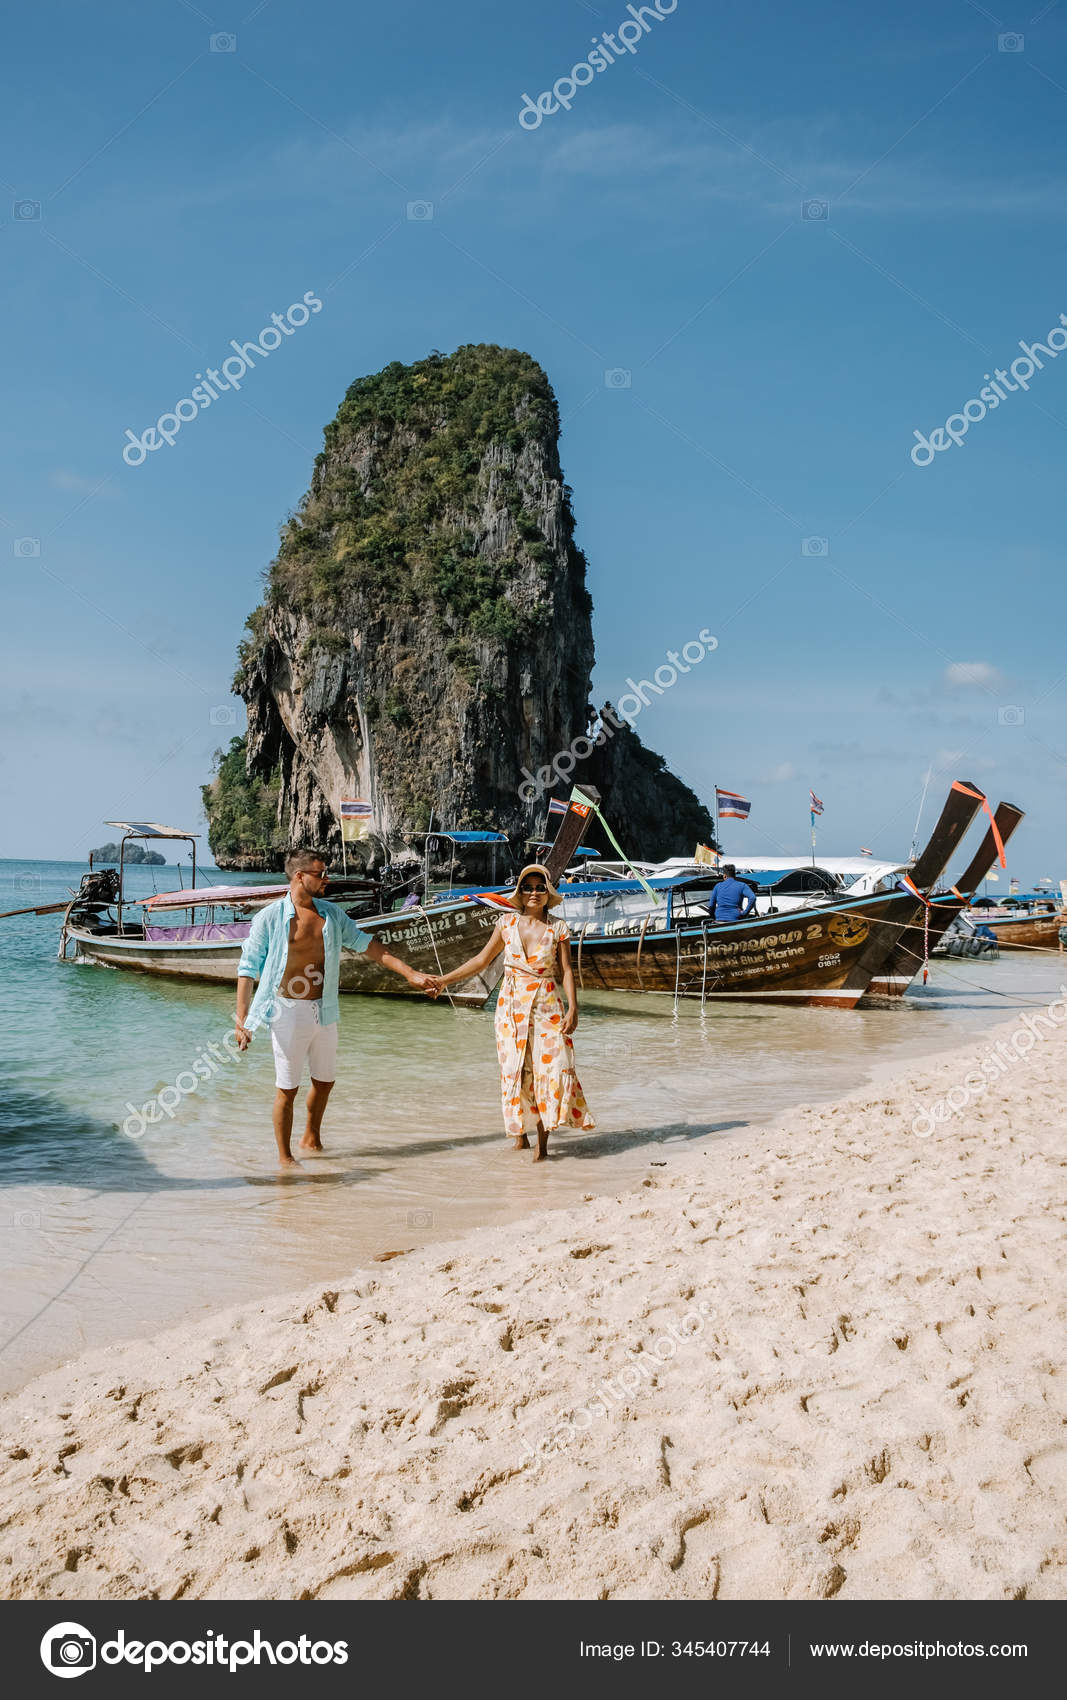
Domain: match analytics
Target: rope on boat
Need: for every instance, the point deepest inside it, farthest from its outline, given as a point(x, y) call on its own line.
point(437, 959)
point(640, 947)
point(994, 991)
point(704, 972)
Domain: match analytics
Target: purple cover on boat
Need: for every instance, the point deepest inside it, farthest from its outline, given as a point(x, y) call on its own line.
point(205, 932)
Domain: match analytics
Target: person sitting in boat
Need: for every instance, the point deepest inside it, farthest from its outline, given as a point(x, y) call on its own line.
point(294, 951)
point(731, 899)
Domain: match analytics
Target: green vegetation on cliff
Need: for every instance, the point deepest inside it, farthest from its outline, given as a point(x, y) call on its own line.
point(243, 811)
point(399, 526)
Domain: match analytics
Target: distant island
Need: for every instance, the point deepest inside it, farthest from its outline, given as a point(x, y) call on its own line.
point(134, 853)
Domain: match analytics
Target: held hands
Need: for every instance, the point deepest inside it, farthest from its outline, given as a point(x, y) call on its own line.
point(244, 1037)
point(426, 983)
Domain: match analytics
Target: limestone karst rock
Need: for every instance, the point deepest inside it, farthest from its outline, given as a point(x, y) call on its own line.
point(426, 632)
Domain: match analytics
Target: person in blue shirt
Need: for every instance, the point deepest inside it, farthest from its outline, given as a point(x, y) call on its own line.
point(294, 951)
point(731, 899)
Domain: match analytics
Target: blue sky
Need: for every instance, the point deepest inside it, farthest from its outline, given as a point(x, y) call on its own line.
point(775, 369)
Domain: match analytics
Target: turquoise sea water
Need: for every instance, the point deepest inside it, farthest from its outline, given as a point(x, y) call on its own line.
point(105, 1236)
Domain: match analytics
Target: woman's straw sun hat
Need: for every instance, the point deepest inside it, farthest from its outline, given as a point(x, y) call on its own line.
point(535, 868)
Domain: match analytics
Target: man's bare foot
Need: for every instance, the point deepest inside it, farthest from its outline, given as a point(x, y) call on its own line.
point(310, 1143)
point(521, 1144)
point(287, 1163)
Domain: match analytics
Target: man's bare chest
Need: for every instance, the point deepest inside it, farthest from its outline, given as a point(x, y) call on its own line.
point(306, 933)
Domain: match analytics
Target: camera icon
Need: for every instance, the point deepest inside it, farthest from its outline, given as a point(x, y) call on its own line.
point(1010, 714)
point(223, 43)
point(27, 1218)
point(68, 1649)
point(1010, 43)
point(815, 546)
point(28, 882)
point(27, 547)
point(222, 715)
point(420, 211)
point(26, 211)
point(420, 1218)
point(618, 378)
point(815, 210)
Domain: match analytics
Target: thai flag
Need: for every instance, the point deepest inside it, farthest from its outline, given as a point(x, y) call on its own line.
point(354, 808)
point(816, 803)
point(556, 807)
point(864, 851)
point(731, 805)
point(905, 883)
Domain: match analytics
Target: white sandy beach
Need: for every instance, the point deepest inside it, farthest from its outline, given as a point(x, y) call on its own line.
point(865, 1398)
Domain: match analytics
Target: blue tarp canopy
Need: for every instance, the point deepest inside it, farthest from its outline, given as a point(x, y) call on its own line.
point(469, 837)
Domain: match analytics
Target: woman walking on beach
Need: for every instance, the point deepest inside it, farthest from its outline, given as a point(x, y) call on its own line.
point(540, 1091)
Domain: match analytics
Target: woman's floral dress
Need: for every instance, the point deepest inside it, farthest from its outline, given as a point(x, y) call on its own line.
point(537, 1078)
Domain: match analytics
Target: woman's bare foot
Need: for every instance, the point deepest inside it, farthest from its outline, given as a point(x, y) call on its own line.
point(310, 1142)
point(287, 1163)
point(521, 1144)
point(542, 1146)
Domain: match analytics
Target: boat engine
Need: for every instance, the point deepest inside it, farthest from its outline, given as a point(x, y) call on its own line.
point(98, 889)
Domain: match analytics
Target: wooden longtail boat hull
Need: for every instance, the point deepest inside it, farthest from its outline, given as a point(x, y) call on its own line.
point(1027, 933)
point(819, 956)
point(433, 940)
point(908, 954)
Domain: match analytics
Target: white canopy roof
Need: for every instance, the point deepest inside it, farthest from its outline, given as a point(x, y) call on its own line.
point(151, 829)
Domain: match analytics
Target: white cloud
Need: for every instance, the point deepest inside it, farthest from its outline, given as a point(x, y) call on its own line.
point(964, 673)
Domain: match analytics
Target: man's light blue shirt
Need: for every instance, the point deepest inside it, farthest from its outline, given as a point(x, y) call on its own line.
point(266, 950)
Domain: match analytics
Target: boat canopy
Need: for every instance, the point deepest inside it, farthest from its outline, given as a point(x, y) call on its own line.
point(151, 829)
point(197, 895)
point(469, 837)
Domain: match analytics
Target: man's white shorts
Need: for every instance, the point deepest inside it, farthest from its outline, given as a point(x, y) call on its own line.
point(298, 1035)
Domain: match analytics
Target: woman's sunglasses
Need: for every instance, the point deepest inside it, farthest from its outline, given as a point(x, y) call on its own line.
point(525, 887)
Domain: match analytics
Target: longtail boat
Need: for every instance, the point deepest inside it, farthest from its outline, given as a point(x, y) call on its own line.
point(98, 928)
point(917, 941)
point(823, 955)
point(1030, 923)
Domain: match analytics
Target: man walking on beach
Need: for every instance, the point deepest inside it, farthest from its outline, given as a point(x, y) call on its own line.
point(294, 951)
